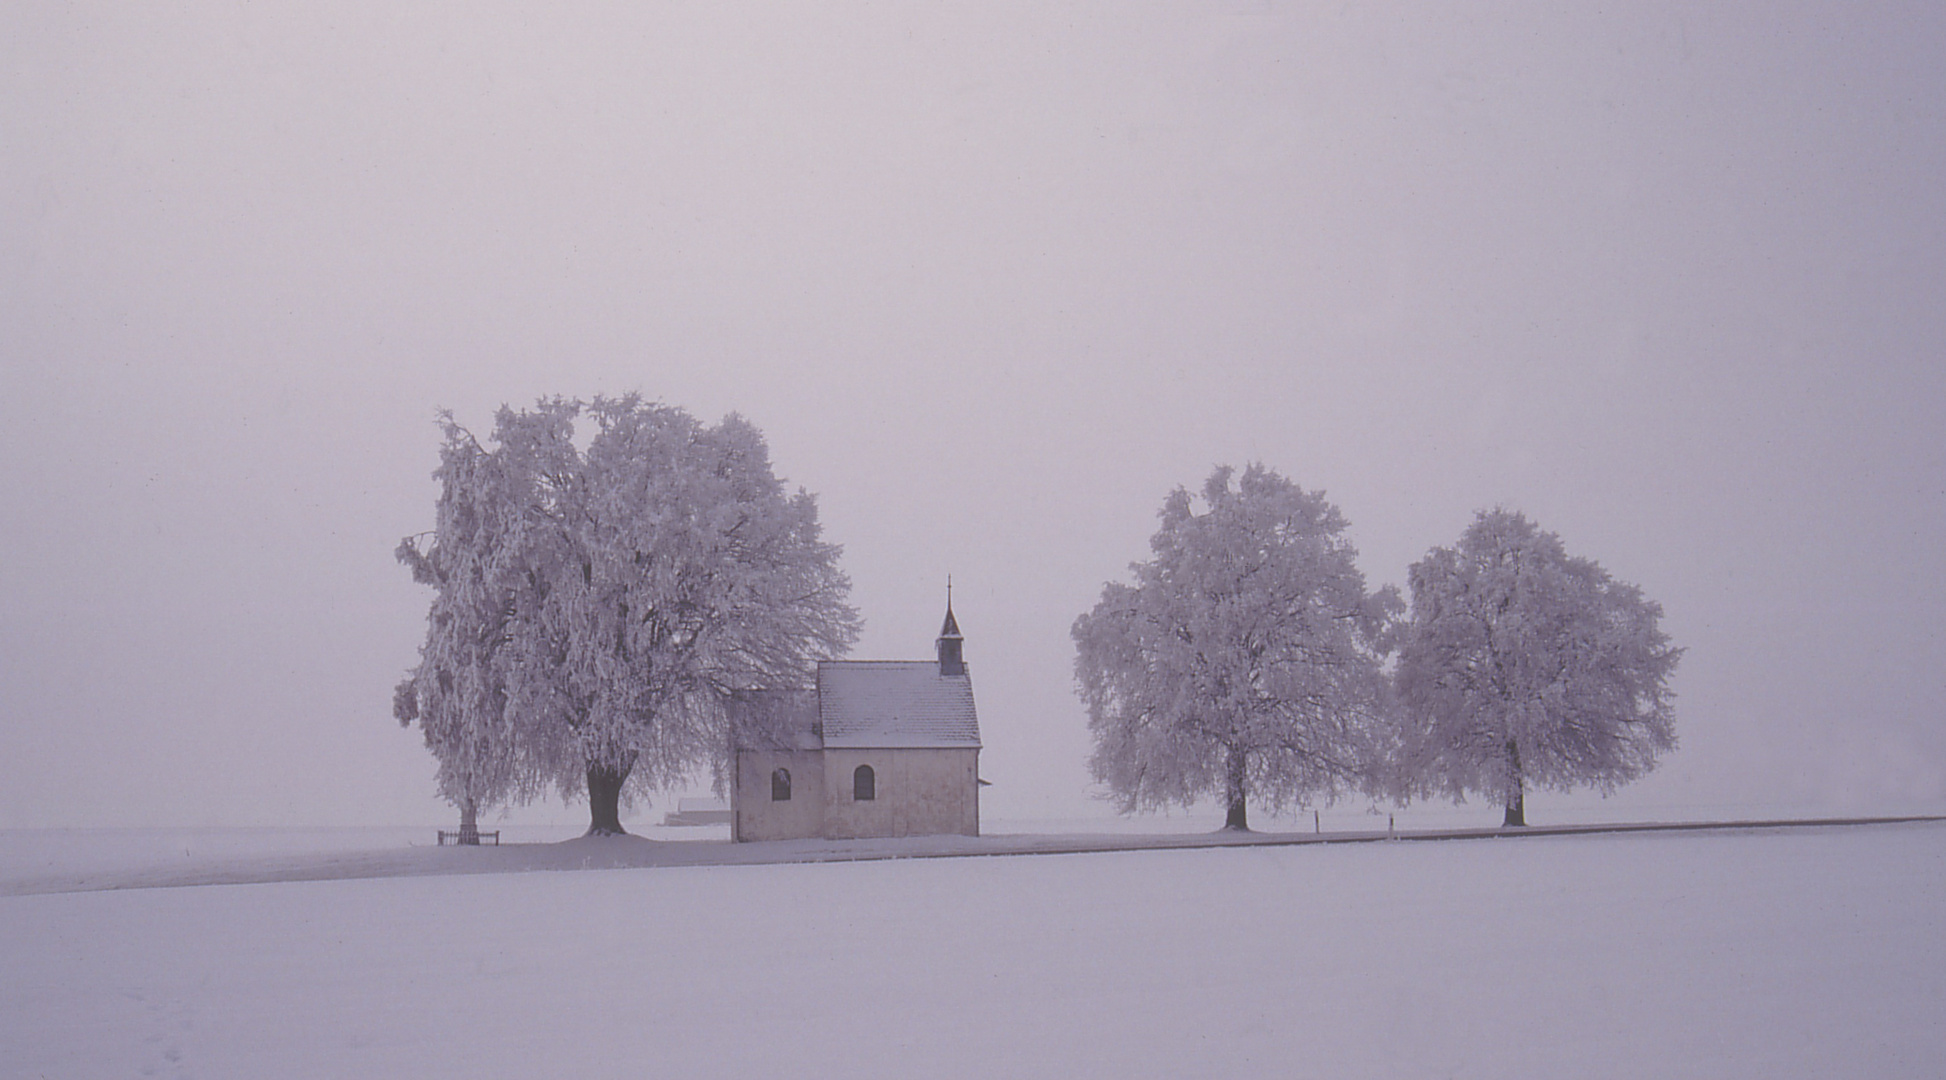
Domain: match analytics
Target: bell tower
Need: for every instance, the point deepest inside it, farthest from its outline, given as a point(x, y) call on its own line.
point(951, 663)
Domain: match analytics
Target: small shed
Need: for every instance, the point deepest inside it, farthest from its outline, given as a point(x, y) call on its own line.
point(690, 811)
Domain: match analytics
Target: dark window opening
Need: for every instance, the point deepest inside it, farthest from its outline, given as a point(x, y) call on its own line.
point(864, 784)
point(780, 786)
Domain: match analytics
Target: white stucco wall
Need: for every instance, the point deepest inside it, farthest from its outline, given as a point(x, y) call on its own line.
point(925, 792)
point(757, 816)
point(920, 793)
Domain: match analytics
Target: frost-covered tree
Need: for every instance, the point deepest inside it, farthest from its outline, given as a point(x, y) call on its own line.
point(1245, 660)
point(457, 693)
point(1524, 666)
point(659, 576)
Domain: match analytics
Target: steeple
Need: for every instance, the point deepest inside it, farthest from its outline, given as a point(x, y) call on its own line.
point(950, 661)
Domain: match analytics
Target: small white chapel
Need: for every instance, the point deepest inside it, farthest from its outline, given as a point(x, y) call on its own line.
point(888, 748)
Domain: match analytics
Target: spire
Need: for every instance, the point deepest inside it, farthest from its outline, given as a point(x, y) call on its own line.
point(950, 660)
point(950, 628)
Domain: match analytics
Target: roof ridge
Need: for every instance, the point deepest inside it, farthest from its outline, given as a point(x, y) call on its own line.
point(821, 663)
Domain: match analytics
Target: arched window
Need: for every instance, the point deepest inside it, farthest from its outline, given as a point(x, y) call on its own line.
point(864, 784)
point(780, 786)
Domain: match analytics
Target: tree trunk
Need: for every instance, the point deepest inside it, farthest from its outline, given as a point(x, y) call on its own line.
point(1516, 791)
point(1516, 812)
point(1238, 819)
point(469, 822)
point(605, 799)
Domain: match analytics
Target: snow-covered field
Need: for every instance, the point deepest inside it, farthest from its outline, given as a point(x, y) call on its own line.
point(1808, 952)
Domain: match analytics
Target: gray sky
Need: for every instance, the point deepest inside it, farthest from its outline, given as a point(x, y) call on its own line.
point(992, 280)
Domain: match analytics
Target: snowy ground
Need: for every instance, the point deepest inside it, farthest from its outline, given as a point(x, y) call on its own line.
point(1812, 952)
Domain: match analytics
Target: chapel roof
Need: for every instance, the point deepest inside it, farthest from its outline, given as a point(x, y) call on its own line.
point(895, 704)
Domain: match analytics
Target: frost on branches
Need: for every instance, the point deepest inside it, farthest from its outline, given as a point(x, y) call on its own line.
point(458, 693)
point(647, 588)
point(1245, 660)
point(1525, 666)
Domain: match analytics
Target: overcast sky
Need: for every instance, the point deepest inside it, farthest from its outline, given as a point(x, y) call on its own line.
point(992, 280)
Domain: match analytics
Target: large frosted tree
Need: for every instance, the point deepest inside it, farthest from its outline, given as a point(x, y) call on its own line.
point(659, 574)
point(1523, 666)
point(1245, 660)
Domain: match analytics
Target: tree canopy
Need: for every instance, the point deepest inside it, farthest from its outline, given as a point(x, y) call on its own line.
point(626, 596)
point(1244, 661)
point(1523, 665)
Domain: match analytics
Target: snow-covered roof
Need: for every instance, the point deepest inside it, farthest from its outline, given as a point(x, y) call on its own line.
point(895, 704)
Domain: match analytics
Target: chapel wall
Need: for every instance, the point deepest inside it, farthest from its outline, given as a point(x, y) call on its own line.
point(756, 816)
point(920, 792)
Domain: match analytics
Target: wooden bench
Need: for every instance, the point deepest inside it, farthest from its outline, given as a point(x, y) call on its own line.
point(468, 837)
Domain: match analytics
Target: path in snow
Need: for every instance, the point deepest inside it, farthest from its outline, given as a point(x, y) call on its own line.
point(634, 852)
